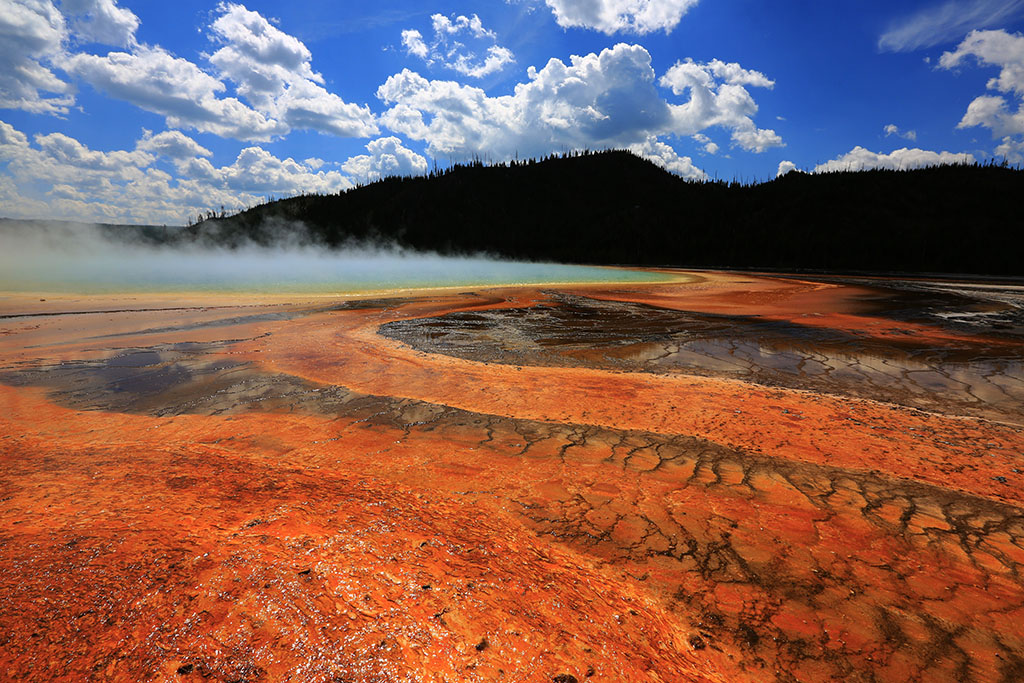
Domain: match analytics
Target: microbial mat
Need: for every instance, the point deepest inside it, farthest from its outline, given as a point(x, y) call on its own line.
point(718, 476)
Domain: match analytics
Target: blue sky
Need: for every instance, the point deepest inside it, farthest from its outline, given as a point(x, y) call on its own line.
point(136, 111)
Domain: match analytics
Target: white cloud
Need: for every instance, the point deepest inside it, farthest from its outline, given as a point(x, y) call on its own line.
point(1011, 149)
point(947, 22)
point(65, 168)
point(58, 177)
point(172, 144)
point(996, 48)
point(153, 79)
point(665, 156)
point(719, 97)
point(460, 25)
point(709, 146)
point(626, 16)
point(33, 33)
point(102, 21)
point(274, 72)
point(859, 159)
point(270, 69)
point(12, 141)
point(601, 100)
point(995, 112)
point(68, 151)
point(258, 172)
point(784, 168)
point(387, 157)
point(449, 48)
point(414, 45)
point(496, 60)
point(893, 129)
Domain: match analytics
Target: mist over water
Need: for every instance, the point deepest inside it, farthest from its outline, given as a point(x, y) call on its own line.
point(78, 258)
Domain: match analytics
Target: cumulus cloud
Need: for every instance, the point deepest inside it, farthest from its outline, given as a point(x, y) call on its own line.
point(859, 159)
point(784, 168)
point(68, 151)
point(413, 42)
point(1011, 149)
point(387, 157)
point(155, 80)
point(101, 21)
point(449, 48)
point(719, 97)
point(33, 35)
point(274, 72)
point(893, 129)
point(995, 112)
point(12, 141)
point(709, 146)
point(258, 172)
point(269, 68)
point(665, 156)
point(625, 16)
point(127, 186)
point(172, 144)
point(601, 100)
point(947, 22)
point(995, 48)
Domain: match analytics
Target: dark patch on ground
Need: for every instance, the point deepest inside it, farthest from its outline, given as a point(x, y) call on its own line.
point(961, 376)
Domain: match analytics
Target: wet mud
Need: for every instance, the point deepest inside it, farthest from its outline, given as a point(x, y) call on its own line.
point(489, 486)
point(966, 376)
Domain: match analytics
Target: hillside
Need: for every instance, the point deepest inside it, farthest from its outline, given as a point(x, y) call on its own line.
point(616, 208)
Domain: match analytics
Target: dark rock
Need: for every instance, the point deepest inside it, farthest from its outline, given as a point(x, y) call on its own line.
point(697, 643)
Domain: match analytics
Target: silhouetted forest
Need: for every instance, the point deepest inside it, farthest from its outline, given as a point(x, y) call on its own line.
point(616, 208)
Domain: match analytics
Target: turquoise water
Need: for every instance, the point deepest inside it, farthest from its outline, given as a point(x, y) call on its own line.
point(133, 269)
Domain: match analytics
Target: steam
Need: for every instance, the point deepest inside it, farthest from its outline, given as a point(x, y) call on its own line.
point(84, 258)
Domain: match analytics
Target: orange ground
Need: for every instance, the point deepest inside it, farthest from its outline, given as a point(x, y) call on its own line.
point(278, 492)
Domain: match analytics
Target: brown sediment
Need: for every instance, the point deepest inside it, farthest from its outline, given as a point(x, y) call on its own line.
point(468, 486)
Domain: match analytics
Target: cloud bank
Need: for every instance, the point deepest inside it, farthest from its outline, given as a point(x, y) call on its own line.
point(860, 159)
point(125, 186)
point(610, 99)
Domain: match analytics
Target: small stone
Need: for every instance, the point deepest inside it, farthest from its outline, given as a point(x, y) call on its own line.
point(565, 678)
point(186, 669)
point(482, 645)
point(697, 643)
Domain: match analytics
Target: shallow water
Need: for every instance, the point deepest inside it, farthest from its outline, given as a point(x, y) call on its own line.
point(298, 270)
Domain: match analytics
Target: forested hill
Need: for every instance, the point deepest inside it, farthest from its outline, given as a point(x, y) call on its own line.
point(616, 208)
